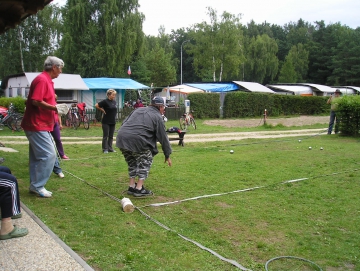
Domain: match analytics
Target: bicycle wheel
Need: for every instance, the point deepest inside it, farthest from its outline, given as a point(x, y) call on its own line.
point(182, 123)
point(192, 123)
point(74, 122)
point(9, 123)
point(86, 122)
point(17, 124)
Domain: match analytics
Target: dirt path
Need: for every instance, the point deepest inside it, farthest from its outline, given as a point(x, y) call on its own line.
point(288, 122)
point(298, 121)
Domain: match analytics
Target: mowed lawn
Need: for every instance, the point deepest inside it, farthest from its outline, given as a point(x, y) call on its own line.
point(270, 198)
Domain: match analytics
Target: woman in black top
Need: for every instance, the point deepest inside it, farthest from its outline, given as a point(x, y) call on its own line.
point(108, 107)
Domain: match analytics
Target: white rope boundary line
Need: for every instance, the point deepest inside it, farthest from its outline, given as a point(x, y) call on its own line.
point(233, 262)
point(244, 190)
point(165, 227)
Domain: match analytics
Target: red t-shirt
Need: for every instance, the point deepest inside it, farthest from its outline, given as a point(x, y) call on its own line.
point(36, 118)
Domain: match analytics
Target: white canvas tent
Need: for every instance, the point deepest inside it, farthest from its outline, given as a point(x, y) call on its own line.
point(178, 92)
point(292, 89)
point(183, 89)
point(348, 90)
point(254, 87)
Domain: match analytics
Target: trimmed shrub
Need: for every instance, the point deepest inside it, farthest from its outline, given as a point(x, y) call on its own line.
point(18, 102)
point(348, 111)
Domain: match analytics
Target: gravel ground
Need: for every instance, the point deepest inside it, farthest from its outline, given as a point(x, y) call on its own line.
point(297, 121)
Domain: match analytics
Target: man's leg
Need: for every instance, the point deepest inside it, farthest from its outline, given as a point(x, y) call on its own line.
point(144, 162)
point(337, 124)
point(105, 128)
point(41, 157)
point(331, 122)
point(111, 137)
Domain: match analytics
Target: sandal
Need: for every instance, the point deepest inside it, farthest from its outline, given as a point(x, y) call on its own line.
point(16, 232)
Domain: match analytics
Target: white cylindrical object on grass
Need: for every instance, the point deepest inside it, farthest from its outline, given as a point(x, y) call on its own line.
point(127, 205)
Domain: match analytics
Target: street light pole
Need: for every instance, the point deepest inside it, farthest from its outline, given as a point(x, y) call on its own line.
point(181, 75)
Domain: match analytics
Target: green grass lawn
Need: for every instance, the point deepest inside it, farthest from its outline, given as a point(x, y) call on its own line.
point(317, 218)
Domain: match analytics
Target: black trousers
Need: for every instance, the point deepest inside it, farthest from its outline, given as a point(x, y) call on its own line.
point(9, 193)
point(108, 136)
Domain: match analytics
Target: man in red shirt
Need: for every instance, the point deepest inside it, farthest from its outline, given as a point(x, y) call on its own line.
point(37, 123)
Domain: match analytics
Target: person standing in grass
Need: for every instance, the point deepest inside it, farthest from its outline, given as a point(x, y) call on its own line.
point(137, 139)
point(38, 122)
point(108, 107)
point(333, 101)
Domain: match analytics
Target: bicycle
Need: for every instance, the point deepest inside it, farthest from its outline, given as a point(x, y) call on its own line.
point(187, 120)
point(72, 119)
point(12, 119)
point(83, 117)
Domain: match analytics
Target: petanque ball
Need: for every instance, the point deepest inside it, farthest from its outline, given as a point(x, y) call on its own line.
point(231, 151)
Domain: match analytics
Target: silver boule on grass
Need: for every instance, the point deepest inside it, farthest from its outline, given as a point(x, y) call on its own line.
point(231, 151)
point(310, 148)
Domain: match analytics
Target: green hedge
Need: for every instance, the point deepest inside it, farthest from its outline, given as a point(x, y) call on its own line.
point(348, 111)
point(244, 104)
point(18, 102)
point(205, 105)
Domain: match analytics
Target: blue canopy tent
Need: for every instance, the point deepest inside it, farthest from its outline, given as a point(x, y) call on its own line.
point(99, 86)
point(215, 87)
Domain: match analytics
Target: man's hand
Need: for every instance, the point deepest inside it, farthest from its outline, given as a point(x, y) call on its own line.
point(168, 160)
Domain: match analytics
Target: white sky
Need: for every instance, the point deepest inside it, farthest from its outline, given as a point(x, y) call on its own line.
point(175, 14)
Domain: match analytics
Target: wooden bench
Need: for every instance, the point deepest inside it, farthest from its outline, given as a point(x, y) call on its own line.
point(180, 137)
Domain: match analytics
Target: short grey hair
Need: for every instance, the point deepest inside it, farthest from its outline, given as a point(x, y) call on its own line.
point(110, 91)
point(51, 61)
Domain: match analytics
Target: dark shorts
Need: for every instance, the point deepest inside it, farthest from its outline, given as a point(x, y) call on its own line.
point(139, 163)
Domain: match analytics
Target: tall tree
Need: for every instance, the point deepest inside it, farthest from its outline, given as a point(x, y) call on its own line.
point(299, 57)
point(345, 64)
point(161, 72)
point(261, 59)
point(287, 72)
point(102, 37)
point(218, 47)
point(321, 51)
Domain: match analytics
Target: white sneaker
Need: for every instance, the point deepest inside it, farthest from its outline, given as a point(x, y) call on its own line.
point(61, 175)
point(42, 192)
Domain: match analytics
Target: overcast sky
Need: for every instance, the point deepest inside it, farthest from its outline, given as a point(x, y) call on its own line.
point(175, 14)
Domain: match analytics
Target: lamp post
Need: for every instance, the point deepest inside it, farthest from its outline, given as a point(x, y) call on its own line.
point(181, 76)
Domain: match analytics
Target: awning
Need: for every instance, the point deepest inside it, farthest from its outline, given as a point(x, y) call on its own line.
point(64, 81)
point(114, 83)
point(215, 87)
point(320, 88)
point(253, 87)
point(299, 90)
point(183, 89)
point(348, 90)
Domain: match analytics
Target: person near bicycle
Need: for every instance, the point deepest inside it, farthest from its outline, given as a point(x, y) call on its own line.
point(108, 107)
point(138, 103)
point(38, 122)
point(137, 140)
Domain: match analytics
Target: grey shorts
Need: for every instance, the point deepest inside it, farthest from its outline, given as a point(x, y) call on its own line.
point(139, 163)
